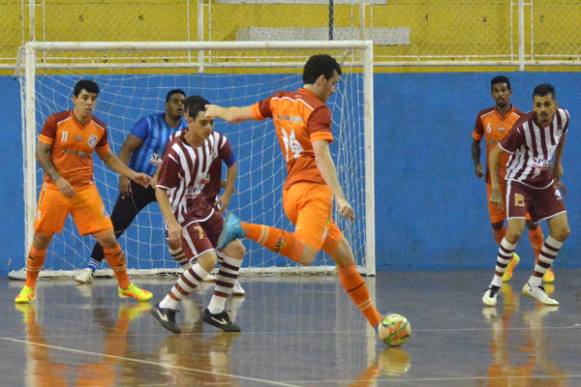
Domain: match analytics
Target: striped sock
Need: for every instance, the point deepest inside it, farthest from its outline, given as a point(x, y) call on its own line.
point(187, 282)
point(505, 254)
point(94, 264)
point(356, 288)
point(547, 256)
point(275, 239)
point(179, 256)
point(227, 275)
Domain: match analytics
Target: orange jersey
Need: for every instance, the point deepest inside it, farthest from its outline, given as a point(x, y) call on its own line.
point(494, 127)
point(72, 145)
point(299, 118)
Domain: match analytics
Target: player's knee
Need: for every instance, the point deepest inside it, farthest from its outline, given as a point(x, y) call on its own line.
point(208, 260)
point(235, 249)
point(497, 226)
point(174, 245)
point(106, 239)
point(562, 233)
point(308, 256)
point(513, 236)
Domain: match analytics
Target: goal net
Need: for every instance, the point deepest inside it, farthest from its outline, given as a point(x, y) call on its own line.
point(134, 79)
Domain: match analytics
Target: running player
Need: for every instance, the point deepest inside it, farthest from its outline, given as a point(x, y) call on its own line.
point(193, 220)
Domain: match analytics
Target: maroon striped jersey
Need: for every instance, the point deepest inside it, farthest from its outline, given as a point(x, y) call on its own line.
point(532, 148)
point(188, 175)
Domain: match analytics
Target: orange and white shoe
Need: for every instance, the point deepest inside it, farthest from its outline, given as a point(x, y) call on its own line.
point(510, 268)
point(25, 296)
point(135, 292)
point(549, 276)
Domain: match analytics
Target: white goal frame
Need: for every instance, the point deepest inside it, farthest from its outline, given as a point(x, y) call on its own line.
point(29, 65)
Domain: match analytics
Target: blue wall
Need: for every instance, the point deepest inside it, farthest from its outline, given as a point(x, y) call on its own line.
point(430, 208)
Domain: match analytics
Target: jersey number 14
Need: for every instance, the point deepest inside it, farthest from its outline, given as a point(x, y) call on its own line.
point(292, 148)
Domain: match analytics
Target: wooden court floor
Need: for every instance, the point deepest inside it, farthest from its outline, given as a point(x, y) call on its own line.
point(296, 331)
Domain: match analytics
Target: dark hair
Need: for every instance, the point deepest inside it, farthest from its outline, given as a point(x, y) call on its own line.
point(85, 84)
point(318, 65)
point(195, 104)
point(172, 92)
point(544, 89)
point(500, 79)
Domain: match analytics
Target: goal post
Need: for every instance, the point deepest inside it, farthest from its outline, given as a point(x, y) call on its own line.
point(134, 77)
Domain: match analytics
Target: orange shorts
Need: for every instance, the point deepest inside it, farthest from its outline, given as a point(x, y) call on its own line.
point(498, 215)
point(86, 207)
point(309, 207)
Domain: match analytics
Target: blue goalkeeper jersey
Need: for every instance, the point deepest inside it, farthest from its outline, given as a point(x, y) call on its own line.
point(155, 133)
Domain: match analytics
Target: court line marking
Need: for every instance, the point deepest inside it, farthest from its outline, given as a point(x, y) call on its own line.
point(194, 370)
point(444, 379)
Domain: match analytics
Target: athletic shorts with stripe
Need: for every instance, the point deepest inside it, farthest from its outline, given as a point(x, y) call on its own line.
point(309, 207)
point(86, 207)
point(542, 203)
point(199, 237)
point(498, 214)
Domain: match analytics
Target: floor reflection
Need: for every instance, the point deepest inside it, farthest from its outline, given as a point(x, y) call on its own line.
point(521, 357)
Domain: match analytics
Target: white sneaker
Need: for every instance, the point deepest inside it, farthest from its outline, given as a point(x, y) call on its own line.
point(238, 290)
point(85, 276)
point(539, 294)
point(490, 296)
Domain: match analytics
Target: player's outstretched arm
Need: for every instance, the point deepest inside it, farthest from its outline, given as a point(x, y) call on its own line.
point(43, 158)
point(230, 114)
point(327, 169)
point(118, 166)
point(174, 229)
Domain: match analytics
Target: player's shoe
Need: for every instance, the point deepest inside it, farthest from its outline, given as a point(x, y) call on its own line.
point(135, 292)
point(85, 276)
point(490, 296)
point(25, 296)
point(238, 290)
point(232, 230)
point(539, 294)
point(220, 320)
point(549, 276)
point(510, 268)
point(166, 317)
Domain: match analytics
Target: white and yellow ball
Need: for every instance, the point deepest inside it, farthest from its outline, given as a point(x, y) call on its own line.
point(394, 330)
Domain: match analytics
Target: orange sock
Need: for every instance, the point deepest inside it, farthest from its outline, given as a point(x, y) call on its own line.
point(356, 288)
point(499, 234)
point(275, 239)
point(34, 263)
point(536, 238)
point(116, 259)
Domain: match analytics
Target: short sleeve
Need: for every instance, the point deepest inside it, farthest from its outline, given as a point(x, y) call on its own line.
point(48, 132)
point(513, 141)
point(142, 128)
point(261, 109)
point(319, 125)
point(226, 152)
point(169, 171)
point(478, 131)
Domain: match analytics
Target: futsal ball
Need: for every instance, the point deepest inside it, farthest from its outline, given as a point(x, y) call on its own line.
point(394, 330)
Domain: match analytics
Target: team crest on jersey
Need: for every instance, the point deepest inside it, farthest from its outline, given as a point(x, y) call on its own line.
point(92, 141)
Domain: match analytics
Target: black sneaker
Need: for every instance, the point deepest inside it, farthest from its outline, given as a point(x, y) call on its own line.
point(220, 320)
point(167, 318)
point(490, 297)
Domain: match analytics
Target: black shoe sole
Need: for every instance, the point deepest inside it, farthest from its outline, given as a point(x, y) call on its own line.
point(166, 324)
point(232, 328)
